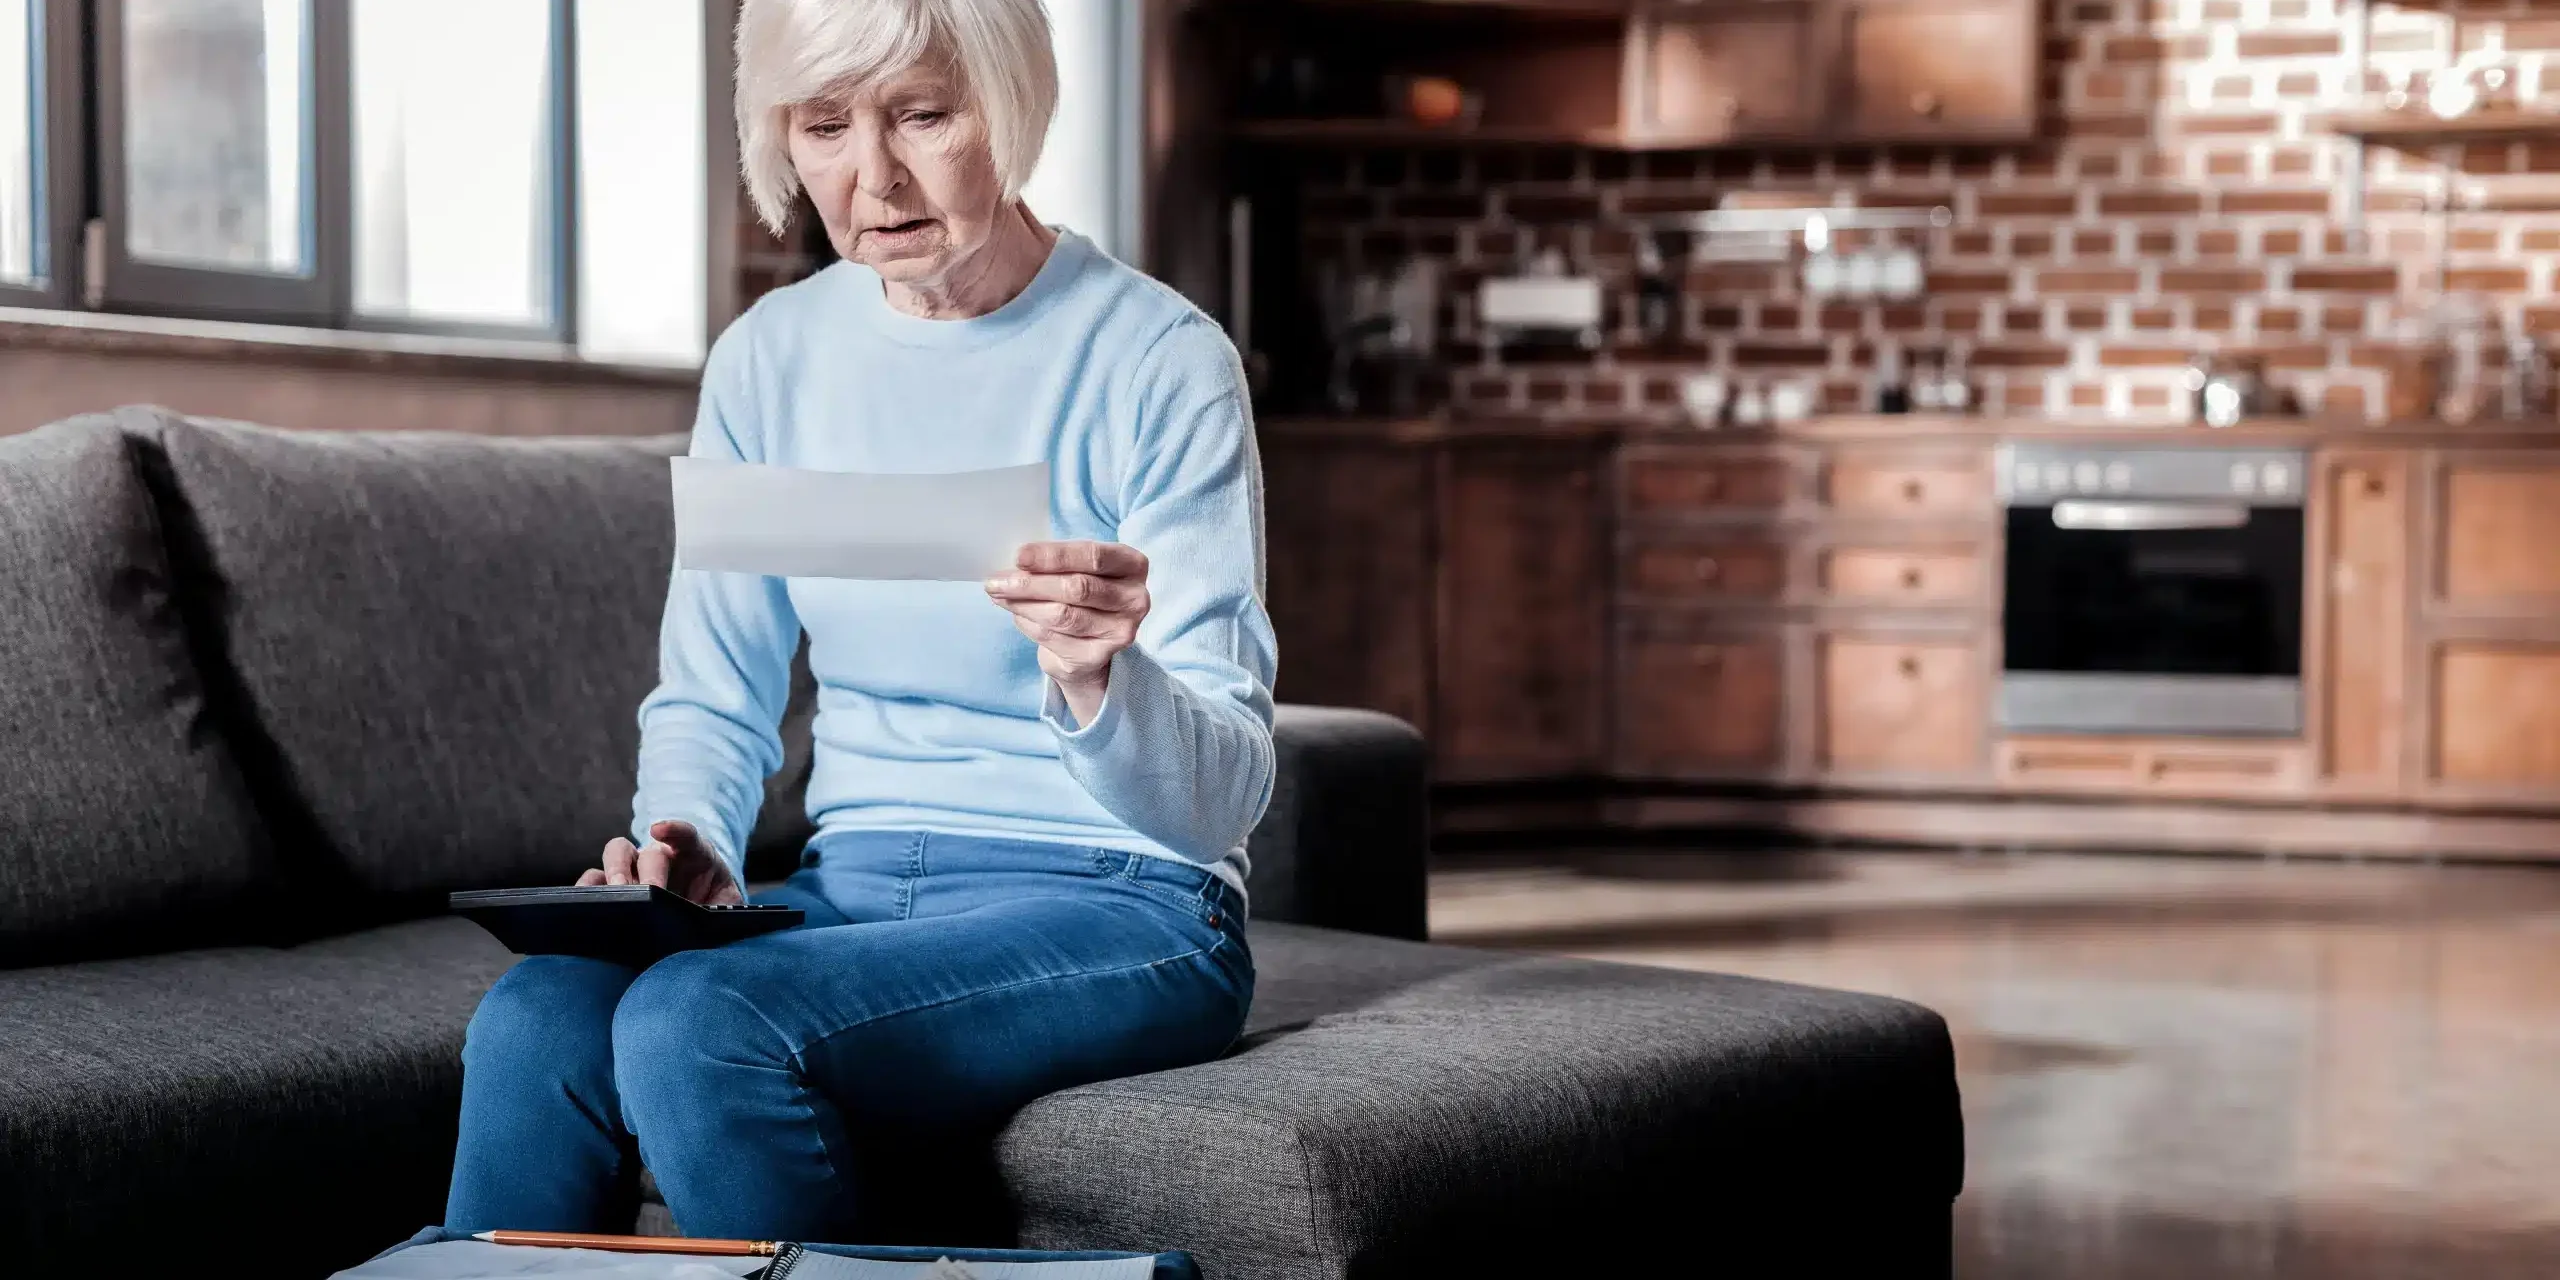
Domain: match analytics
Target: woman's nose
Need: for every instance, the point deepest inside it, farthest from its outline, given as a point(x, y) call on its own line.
point(877, 171)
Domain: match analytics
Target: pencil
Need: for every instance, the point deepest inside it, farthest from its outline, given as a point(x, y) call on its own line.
point(632, 1244)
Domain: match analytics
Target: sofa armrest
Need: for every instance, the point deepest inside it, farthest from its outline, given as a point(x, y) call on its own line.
point(1344, 841)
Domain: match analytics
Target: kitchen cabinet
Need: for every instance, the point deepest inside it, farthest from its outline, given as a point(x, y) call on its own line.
point(2501, 546)
point(1893, 704)
point(1736, 73)
point(1691, 566)
point(2360, 504)
point(1457, 580)
point(2198, 769)
point(1523, 600)
point(1889, 485)
point(1937, 70)
point(1800, 629)
point(2497, 716)
point(1671, 481)
point(1350, 573)
point(1906, 576)
point(1700, 705)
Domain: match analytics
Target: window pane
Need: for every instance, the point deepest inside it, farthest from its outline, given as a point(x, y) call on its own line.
point(453, 159)
point(216, 95)
point(641, 179)
point(1077, 185)
point(21, 143)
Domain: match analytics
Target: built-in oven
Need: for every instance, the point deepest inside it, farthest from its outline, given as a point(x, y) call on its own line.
point(2152, 590)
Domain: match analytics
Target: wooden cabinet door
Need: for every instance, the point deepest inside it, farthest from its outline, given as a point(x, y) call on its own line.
point(1348, 543)
point(1700, 706)
point(2500, 551)
point(1523, 611)
point(1722, 74)
point(2496, 717)
point(2362, 506)
point(1901, 705)
point(1913, 69)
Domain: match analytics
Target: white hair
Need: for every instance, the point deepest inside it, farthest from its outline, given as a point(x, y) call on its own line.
point(796, 51)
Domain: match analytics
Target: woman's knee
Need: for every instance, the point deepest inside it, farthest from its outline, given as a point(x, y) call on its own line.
point(691, 1016)
point(555, 1010)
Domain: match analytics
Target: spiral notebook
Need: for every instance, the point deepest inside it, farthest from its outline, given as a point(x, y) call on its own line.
point(438, 1255)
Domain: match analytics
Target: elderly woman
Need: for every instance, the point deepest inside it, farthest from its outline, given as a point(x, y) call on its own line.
point(1031, 794)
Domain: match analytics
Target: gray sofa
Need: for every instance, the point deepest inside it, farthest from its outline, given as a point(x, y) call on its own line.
point(265, 698)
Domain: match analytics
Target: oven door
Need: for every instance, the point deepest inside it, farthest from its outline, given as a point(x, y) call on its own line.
point(2181, 617)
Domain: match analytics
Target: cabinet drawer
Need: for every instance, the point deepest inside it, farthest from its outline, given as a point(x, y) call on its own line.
point(1677, 484)
point(1936, 487)
point(1745, 570)
point(1868, 574)
point(2141, 766)
point(1699, 706)
point(1901, 706)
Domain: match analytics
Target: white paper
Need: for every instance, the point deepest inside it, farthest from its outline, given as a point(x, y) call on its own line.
point(960, 526)
point(481, 1260)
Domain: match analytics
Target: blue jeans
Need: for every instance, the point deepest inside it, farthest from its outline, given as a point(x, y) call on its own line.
point(940, 983)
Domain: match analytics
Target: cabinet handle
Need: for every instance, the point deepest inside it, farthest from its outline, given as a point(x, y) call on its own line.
point(1707, 569)
point(1910, 665)
point(1925, 103)
point(2371, 483)
point(1913, 491)
point(1706, 657)
point(1911, 577)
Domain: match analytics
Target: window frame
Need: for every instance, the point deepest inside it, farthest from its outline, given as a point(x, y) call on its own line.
point(325, 297)
point(62, 199)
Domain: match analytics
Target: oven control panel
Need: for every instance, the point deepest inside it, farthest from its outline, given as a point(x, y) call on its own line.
point(2039, 474)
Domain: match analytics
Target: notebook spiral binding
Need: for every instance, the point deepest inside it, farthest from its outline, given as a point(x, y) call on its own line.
point(786, 1260)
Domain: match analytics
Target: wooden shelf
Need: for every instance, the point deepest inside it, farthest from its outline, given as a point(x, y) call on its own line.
point(2418, 129)
point(1607, 10)
point(1406, 132)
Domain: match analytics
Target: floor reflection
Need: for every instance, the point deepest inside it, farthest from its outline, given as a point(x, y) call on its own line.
point(2173, 1067)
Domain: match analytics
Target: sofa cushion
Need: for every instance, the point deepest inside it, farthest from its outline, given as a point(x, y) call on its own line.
point(1477, 1110)
point(128, 827)
point(444, 638)
point(178, 1097)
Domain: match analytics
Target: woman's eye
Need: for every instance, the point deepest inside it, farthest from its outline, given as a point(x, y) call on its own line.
point(926, 119)
point(824, 129)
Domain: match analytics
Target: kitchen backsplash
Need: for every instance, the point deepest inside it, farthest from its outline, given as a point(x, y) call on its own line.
point(2184, 197)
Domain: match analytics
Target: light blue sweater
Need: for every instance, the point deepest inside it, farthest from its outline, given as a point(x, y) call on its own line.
point(933, 712)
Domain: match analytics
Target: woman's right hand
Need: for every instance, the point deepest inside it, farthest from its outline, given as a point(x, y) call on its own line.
point(676, 858)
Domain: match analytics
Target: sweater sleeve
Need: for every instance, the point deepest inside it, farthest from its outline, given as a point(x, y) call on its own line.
point(1181, 748)
point(709, 732)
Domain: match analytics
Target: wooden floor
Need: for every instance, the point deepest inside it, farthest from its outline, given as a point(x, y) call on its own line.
point(2172, 1067)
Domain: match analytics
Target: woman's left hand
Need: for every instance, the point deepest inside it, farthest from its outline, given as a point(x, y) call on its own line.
point(1081, 602)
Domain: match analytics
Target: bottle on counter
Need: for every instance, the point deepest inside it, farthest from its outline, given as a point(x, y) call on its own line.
point(1893, 393)
point(1925, 385)
point(1955, 390)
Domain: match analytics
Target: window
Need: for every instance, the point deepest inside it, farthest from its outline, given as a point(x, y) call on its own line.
point(1088, 176)
point(39, 158)
point(411, 165)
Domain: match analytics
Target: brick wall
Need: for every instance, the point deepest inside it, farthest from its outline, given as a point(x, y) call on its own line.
point(2183, 196)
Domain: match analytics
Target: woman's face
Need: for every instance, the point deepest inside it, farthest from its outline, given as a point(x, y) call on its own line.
point(901, 175)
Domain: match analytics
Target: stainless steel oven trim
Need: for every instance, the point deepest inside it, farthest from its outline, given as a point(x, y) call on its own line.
point(2145, 516)
point(2211, 706)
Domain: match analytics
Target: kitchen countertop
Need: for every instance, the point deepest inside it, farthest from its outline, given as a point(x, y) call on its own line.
point(1915, 428)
